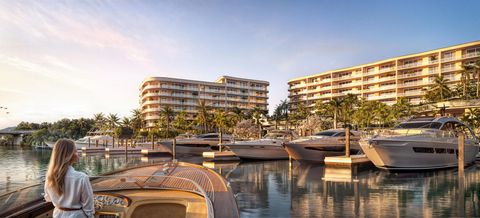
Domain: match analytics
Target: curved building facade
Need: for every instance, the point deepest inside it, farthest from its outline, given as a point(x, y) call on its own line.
point(184, 95)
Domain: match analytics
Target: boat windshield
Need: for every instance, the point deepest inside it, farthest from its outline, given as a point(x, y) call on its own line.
point(418, 125)
point(326, 133)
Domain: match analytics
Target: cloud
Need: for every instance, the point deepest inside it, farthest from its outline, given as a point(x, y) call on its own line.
point(61, 22)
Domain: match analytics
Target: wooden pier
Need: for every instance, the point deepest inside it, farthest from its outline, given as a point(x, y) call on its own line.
point(220, 156)
point(347, 161)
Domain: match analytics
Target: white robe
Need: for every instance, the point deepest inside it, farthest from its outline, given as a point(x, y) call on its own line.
point(77, 194)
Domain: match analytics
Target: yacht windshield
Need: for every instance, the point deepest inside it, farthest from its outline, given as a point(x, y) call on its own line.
point(326, 133)
point(418, 125)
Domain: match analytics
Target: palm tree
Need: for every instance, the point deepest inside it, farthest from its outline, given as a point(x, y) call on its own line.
point(439, 90)
point(382, 113)
point(285, 107)
point(113, 121)
point(99, 120)
point(137, 121)
point(465, 80)
point(473, 69)
point(335, 105)
point(181, 122)
point(168, 114)
point(202, 115)
point(401, 109)
point(277, 114)
point(220, 118)
point(126, 122)
point(257, 115)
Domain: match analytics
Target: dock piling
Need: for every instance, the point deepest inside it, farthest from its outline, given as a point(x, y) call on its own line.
point(113, 142)
point(153, 142)
point(347, 142)
point(461, 154)
point(96, 143)
point(89, 142)
point(220, 141)
point(174, 148)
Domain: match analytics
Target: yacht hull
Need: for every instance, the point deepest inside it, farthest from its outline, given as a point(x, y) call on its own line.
point(416, 155)
point(187, 148)
point(258, 152)
point(317, 152)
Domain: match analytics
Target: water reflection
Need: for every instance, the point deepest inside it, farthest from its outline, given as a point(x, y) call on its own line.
point(280, 189)
point(273, 189)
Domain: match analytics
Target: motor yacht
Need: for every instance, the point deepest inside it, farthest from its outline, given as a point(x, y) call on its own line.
point(197, 144)
point(172, 189)
point(322, 144)
point(420, 144)
point(270, 147)
point(91, 139)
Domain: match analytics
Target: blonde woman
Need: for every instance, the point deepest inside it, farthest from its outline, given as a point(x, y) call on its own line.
point(69, 191)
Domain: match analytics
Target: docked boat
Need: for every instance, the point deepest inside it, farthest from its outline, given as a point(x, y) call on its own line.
point(172, 189)
point(421, 144)
point(92, 138)
point(322, 144)
point(197, 144)
point(270, 147)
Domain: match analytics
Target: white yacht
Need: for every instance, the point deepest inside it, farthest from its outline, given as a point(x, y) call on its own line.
point(102, 138)
point(419, 144)
point(197, 144)
point(322, 144)
point(268, 148)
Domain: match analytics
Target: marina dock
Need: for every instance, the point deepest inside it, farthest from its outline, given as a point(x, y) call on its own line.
point(344, 161)
point(219, 156)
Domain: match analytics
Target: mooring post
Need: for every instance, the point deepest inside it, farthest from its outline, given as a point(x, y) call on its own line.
point(113, 142)
point(174, 148)
point(220, 142)
point(153, 142)
point(88, 142)
point(96, 143)
point(461, 154)
point(347, 142)
point(126, 146)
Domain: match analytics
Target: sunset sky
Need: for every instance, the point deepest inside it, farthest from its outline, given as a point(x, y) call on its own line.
point(71, 59)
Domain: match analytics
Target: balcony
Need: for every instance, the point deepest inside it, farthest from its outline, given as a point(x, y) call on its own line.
point(383, 79)
point(347, 85)
point(151, 102)
point(450, 69)
point(380, 88)
point(411, 65)
point(377, 97)
point(152, 117)
point(387, 69)
point(413, 84)
point(452, 78)
point(471, 55)
point(446, 59)
point(410, 93)
point(346, 77)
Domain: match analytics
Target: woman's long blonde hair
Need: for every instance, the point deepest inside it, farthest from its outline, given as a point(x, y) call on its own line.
point(61, 159)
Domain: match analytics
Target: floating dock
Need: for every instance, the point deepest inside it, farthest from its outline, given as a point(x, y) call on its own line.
point(220, 156)
point(152, 152)
point(347, 161)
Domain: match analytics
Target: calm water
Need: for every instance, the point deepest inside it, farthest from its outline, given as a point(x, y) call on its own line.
point(280, 189)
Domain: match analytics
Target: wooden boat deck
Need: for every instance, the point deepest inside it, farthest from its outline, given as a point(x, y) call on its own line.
point(214, 185)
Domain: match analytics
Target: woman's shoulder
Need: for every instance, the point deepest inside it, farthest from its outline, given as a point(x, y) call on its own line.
point(77, 174)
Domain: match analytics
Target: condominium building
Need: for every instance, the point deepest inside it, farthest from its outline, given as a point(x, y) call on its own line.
point(184, 95)
point(385, 80)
